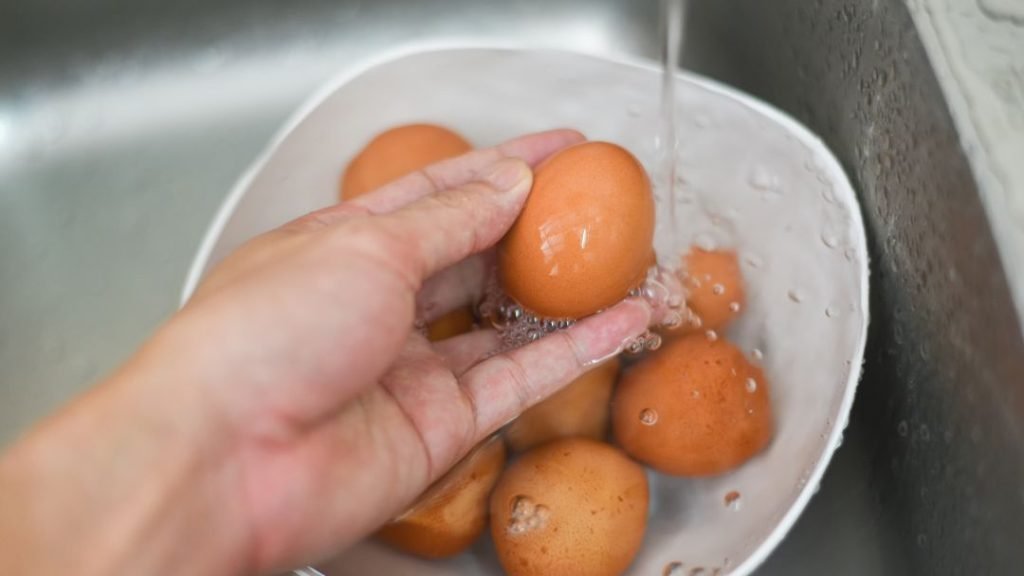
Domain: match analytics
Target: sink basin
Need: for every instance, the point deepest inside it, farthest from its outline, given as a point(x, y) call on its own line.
point(124, 124)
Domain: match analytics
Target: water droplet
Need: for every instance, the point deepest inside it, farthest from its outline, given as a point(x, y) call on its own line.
point(526, 515)
point(695, 393)
point(673, 569)
point(831, 312)
point(734, 306)
point(648, 417)
point(752, 260)
point(672, 320)
point(922, 540)
point(635, 345)
point(829, 240)
point(757, 354)
point(902, 428)
point(850, 254)
point(733, 500)
point(718, 289)
point(751, 385)
point(761, 179)
point(795, 295)
point(925, 433)
point(711, 335)
point(653, 342)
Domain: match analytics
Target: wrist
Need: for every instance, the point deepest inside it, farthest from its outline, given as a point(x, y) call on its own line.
point(121, 482)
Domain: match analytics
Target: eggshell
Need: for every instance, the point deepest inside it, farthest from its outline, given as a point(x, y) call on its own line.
point(458, 321)
point(583, 240)
point(572, 506)
point(452, 513)
point(696, 407)
point(579, 409)
point(398, 152)
point(714, 287)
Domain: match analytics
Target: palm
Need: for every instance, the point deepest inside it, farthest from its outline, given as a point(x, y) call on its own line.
point(336, 434)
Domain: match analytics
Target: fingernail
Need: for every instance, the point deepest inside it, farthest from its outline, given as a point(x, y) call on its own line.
point(510, 175)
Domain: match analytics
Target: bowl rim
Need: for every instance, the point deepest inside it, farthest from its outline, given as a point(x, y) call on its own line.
point(832, 165)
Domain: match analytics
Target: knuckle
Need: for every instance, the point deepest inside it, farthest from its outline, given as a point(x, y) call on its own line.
point(513, 372)
point(385, 248)
point(572, 346)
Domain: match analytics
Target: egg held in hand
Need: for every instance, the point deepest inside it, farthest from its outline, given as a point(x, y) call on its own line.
point(696, 407)
point(584, 238)
point(397, 152)
point(452, 513)
point(572, 506)
point(579, 409)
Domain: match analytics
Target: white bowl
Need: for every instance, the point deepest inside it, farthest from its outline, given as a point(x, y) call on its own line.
point(756, 180)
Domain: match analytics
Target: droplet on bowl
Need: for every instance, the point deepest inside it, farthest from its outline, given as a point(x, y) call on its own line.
point(733, 500)
point(829, 239)
point(673, 569)
point(761, 179)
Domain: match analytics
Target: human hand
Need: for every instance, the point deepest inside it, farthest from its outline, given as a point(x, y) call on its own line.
point(306, 409)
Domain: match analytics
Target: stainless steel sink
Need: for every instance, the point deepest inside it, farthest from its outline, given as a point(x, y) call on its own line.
point(123, 124)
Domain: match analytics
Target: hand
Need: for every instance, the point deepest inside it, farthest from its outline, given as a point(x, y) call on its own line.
point(290, 408)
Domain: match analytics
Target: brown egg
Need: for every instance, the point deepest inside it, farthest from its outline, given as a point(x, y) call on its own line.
point(572, 506)
point(397, 152)
point(579, 409)
point(452, 513)
point(583, 240)
point(458, 321)
point(714, 287)
point(696, 407)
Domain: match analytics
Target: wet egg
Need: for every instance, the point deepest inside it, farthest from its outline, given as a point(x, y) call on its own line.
point(714, 289)
point(696, 407)
point(583, 240)
point(579, 409)
point(452, 513)
point(571, 506)
point(398, 152)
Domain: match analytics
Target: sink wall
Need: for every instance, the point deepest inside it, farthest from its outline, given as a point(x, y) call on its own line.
point(123, 124)
point(940, 412)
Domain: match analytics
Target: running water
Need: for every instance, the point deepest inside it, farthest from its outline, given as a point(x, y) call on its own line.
point(673, 13)
point(662, 289)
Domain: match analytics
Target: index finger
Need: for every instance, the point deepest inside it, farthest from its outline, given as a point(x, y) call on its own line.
point(532, 149)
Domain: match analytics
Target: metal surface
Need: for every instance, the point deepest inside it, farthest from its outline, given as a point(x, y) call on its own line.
point(123, 125)
point(940, 410)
